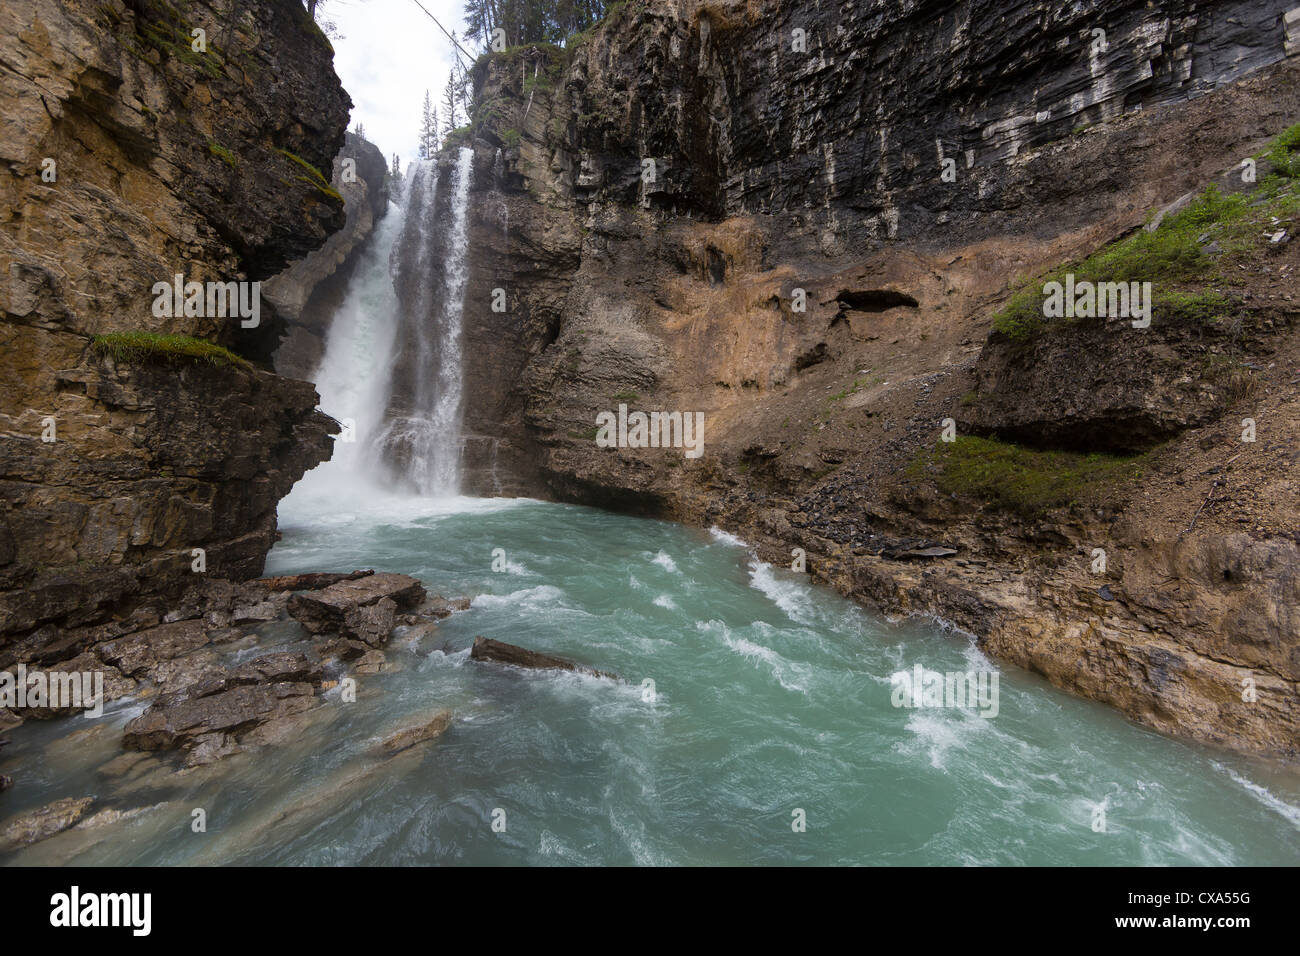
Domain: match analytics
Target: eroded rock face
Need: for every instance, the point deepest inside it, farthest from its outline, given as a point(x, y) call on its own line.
point(774, 169)
point(166, 161)
point(818, 177)
point(308, 292)
point(1095, 386)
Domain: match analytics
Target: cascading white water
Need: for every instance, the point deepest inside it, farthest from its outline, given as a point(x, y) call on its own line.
point(353, 377)
point(422, 440)
point(434, 463)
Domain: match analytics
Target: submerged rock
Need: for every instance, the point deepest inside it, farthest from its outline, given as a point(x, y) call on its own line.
point(486, 649)
point(122, 764)
point(421, 730)
point(109, 817)
point(28, 828)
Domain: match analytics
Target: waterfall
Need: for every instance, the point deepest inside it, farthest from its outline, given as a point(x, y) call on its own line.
point(391, 371)
point(423, 438)
point(353, 375)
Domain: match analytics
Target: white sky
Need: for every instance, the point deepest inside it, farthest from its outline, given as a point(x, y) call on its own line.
point(389, 54)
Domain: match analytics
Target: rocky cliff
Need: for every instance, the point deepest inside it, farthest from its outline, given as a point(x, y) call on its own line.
point(142, 446)
point(813, 223)
point(307, 293)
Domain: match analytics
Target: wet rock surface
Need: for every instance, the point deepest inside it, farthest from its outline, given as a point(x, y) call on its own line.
point(363, 609)
point(191, 720)
point(209, 705)
point(43, 823)
point(417, 731)
point(486, 649)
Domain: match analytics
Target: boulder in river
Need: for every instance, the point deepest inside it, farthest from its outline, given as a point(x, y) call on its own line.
point(439, 607)
point(486, 649)
point(372, 623)
point(338, 607)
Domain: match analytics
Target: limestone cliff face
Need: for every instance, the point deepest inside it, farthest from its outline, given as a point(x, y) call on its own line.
point(656, 199)
point(161, 156)
point(308, 293)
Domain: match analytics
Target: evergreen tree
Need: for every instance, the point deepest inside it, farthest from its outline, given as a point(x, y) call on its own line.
point(450, 103)
point(428, 144)
point(530, 21)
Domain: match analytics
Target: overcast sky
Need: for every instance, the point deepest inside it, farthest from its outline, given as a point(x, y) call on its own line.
point(388, 55)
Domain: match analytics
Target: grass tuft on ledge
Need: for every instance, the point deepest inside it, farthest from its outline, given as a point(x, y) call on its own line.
point(1023, 480)
point(156, 347)
point(314, 176)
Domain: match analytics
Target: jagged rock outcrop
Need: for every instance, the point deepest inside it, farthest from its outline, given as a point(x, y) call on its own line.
point(308, 292)
point(690, 211)
point(132, 152)
point(365, 608)
point(210, 719)
point(1095, 386)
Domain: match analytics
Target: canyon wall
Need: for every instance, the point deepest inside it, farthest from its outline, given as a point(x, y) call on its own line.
point(140, 142)
point(801, 220)
point(307, 294)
